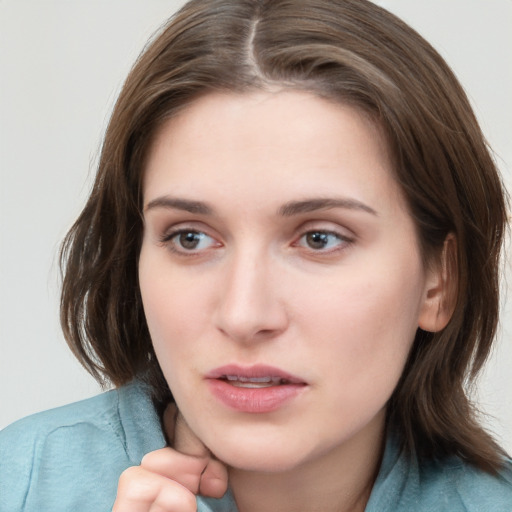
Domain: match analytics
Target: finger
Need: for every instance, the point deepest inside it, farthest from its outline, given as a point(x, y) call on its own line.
point(171, 464)
point(214, 480)
point(139, 490)
point(169, 500)
point(186, 441)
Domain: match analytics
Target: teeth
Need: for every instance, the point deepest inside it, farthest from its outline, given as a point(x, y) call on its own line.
point(239, 384)
point(254, 382)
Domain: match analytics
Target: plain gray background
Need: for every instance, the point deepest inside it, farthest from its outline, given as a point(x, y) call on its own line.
point(61, 66)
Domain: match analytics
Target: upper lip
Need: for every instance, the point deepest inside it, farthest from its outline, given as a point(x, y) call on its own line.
point(253, 372)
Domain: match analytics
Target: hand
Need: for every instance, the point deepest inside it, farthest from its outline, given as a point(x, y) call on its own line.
point(212, 479)
point(167, 480)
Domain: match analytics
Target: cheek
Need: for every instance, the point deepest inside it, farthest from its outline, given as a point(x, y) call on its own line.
point(165, 303)
point(168, 323)
point(365, 328)
point(176, 310)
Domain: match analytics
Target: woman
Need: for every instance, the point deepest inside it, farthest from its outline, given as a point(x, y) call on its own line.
point(288, 267)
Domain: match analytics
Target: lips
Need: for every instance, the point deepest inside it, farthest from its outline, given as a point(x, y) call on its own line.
point(254, 382)
point(254, 389)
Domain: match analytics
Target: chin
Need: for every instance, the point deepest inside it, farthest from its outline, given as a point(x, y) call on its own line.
point(260, 457)
point(260, 464)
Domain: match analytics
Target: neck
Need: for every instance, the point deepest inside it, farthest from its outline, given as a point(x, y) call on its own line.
point(338, 481)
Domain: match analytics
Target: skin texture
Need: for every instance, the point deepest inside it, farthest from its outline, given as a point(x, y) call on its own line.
point(249, 282)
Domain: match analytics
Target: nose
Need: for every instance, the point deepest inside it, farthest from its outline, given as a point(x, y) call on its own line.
point(250, 306)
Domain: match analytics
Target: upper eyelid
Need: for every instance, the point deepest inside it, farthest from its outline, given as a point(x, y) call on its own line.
point(190, 225)
point(341, 237)
point(326, 226)
point(172, 232)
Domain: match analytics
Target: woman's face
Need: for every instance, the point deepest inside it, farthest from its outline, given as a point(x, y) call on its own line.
point(280, 275)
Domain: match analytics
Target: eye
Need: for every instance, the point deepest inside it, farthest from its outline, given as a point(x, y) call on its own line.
point(322, 240)
point(189, 240)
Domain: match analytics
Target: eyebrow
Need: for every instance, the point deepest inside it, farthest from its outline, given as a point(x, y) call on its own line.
point(176, 203)
point(287, 210)
point(310, 205)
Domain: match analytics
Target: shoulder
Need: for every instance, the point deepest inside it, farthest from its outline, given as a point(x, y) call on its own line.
point(95, 410)
point(406, 482)
point(55, 459)
point(73, 425)
point(456, 485)
point(474, 489)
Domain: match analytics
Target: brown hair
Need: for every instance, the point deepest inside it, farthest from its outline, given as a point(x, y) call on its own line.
point(348, 51)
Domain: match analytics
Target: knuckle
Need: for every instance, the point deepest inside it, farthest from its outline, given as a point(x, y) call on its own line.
point(140, 487)
point(157, 458)
point(128, 475)
point(136, 485)
point(190, 481)
point(176, 497)
point(148, 459)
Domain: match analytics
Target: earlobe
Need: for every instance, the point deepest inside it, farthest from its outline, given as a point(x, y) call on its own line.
point(441, 289)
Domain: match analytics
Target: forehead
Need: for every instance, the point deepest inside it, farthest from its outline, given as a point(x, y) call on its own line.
point(288, 141)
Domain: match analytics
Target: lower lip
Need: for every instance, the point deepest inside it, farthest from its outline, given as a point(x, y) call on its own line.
point(254, 400)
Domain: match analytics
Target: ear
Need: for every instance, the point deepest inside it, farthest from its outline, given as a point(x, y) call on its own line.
point(440, 289)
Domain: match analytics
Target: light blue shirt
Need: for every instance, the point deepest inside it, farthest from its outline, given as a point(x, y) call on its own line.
point(70, 459)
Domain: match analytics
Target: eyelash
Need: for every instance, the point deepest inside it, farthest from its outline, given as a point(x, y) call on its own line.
point(342, 241)
point(168, 240)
